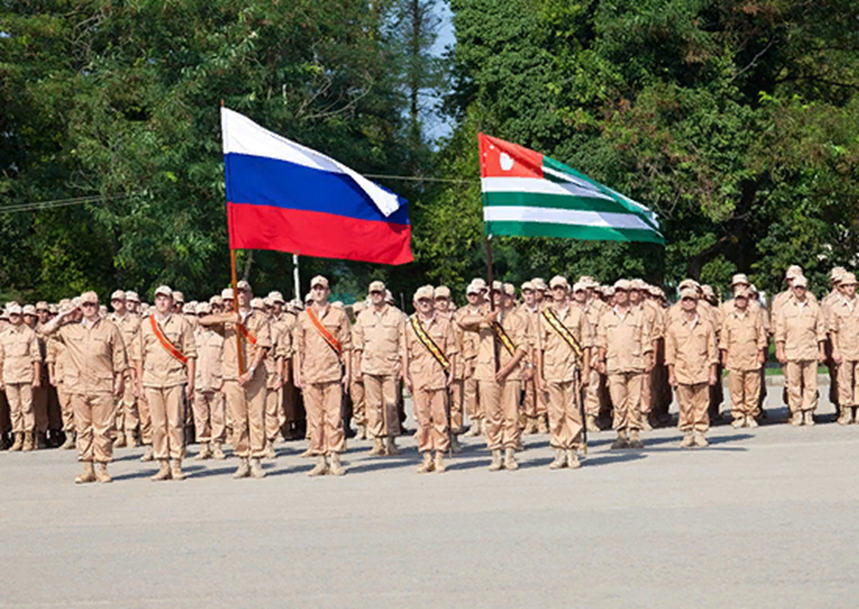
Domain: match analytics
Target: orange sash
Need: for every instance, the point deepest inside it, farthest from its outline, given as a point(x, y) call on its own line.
point(247, 334)
point(326, 335)
point(168, 346)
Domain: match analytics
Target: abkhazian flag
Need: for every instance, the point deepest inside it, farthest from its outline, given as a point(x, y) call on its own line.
point(286, 197)
point(528, 194)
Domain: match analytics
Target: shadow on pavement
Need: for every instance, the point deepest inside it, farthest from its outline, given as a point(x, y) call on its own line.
point(383, 463)
point(207, 473)
point(466, 465)
point(145, 473)
point(619, 457)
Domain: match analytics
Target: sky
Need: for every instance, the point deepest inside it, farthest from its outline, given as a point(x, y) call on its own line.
point(437, 126)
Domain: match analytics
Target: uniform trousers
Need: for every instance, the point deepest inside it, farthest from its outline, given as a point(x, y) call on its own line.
point(144, 413)
point(535, 403)
point(40, 408)
point(565, 417)
point(5, 421)
point(246, 405)
point(168, 421)
point(323, 402)
point(625, 390)
point(472, 399)
point(380, 395)
point(65, 399)
point(456, 399)
point(431, 411)
point(694, 401)
point(273, 414)
point(210, 423)
point(500, 402)
point(744, 387)
point(801, 380)
point(94, 421)
point(359, 401)
point(55, 413)
point(20, 397)
point(126, 409)
point(848, 384)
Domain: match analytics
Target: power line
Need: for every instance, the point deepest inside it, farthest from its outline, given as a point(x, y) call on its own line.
point(418, 178)
point(56, 203)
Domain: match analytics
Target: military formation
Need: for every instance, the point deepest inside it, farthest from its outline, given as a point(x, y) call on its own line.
point(549, 358)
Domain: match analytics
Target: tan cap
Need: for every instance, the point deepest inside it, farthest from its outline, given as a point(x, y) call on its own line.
point(389, 298)
point(800, 281)
point(189, 309)
point(308, 297)
point(497, 286)
point(608, 291)
point(258, 303)
point(243, 286)
point(837, 273)
point(848, 278)
point(132, 296)
point(89, 297)
point(426, 291)
point(376, 286)
point(226, 294)
point(622, 284)
point(708, 291)
point(473, 289)
point(742, 292)
point(739, 278)
point(65, 307)
point(319, 280)
point(357, 307)
point(527, 286)
point(539, 284)
point(688, 283)
point(509, 289)
point(637, 284)
point(275, 298)
point(793, 271)
point(753, 289)
point(580, 286)
point(216, 300)
point(76, 301)
point(164, 290)
point(13, 308)
point(53, 309)
point(117, 295)
point(655, 291)
point(204, 308)
point(479, 283)
point(442, 291)
point(178, 296)
point(29, 310)
point(556, 281)
point(42, 305)
point(689, 292)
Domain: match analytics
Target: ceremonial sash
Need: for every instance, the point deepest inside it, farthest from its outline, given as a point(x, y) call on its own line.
point(324, 333)
point(563, 332)
point(502, 337)
point(168, 346)
point(247, 334)
point(429, 344)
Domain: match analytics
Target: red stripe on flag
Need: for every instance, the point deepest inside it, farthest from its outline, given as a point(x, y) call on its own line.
point(317, 234)
point(500, 159)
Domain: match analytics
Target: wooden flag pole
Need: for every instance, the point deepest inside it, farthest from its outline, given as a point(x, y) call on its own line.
point(238, 314)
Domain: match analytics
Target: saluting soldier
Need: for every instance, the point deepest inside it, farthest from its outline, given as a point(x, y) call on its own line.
point(743, 344)
point(57, 360)
point(844, 332)
point(210, 425)
point(20, 368)
point(322, 368)
point(471, 397)
point(245, 391)
point(456, 389)
point(127, 419)
point(165, 356)
point(378, 339)
point(429, 349)
point(96, 379)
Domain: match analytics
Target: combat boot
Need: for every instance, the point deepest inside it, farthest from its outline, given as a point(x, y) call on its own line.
point(510, 460)
point(391, 447)
point(473, 430)
point(700, 440)
point(573, 459)
point(119, 442)
point(497, 464)
point(147, 454)
point(163, 471)
point(320, 469)
point(796, 419)
point(378, 448)
point(256, 469)
point(87, 475)
point(738, 422)
point(439, 462)
point(560, 459)
point(542, 427)
point(809, 418)
point(69, 444)
point(846, 416)
point(620, 442)
point(243, 470)
point(101, 473)
point(455, 446)
point(29, 441)
point(204, 452)
point(530, 426)
point(634, 441)
point(269, 451)
point(307, 453)
point(592, 424)
point(751, 422)
point(688, 440)
point(176, 469)
point(427, 465)
point(18, 444)
point(336, 468)
point(645, 422)
point(218, 452)
point(362, 432)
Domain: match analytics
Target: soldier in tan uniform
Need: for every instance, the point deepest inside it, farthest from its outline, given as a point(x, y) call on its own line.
point(49, 393)
point(132, 303)
point(844, 332)
point(626, 356)
point(356, 387)
point(273, 365)
point(560, 372)
point(743, 343)
point(127, 419)
point(245, 392)
point(504, 340)
point(691, 356)
point(178, 302)
point(40, 391)
point(378, 336)
point(208, 405)
point(165, 356)
point(534, 403)
point(475, 306)
point(20, 369)
point(57, 360)
point(427, 332)
point(799, 336)
point(97, 366)
point(456, 388)
point(322, 342)
point(638, 298)
point(281, 327)
point(596, 398)
point(826, 305)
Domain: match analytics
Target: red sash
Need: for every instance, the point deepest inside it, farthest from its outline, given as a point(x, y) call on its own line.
point(247, 334)
point(168, 346)
point(326, 335)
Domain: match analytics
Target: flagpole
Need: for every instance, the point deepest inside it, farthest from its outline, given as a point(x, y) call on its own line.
point(238, 314)
point(296, 284)
point(495, 349)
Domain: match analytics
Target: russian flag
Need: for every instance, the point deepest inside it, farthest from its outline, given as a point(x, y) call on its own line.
point(285, 197)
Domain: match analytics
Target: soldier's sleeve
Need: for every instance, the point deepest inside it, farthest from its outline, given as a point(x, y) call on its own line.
point(761, 334)
point(712, 352)
point(118, 353)
point(821, 326)
point(298, 337)
point(358, 334)
point(450, 342)
point(284, 344)
point(136, 353)
point(646, 333)
point(670, 347)
point(51, 353)
point(189, 345)
point(33, 346)
point(404, 343)
point(401, 332)
point(780, 328)
point(586, 332)
point(601, 341)
point(345, 332)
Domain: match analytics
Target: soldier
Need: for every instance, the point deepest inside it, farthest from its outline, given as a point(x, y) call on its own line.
point(799, 337)
point(475, 306)
point(356, 387)
point(534, 406)
point(428, 362)
point(178, 302)
point(378, 340)
point(127, 419)
point(625, 355)
point(826, 305)
point(743, 344)
point(596, 389)
point(638, 299)
point(322, 367)
point(98, 364)
point(132, 303)
point(765, 320)
point(40, 391)
point(208, 404)
point(20, 370)
point(691, 356)
point(57, 361)
point(274, 378)
point(844, 333)
point(165, 356)
point(661, 396)
point(563, 342)
point(504, 339)
point(281, 325)
point(245, 391)
point(456, 388)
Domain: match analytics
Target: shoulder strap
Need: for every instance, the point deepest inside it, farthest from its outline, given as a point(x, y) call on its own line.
point(168, 346)
point(562, 331)
point(324, 333)
point(429, 344)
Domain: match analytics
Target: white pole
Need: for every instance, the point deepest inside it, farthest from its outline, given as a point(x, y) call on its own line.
point(295, 277)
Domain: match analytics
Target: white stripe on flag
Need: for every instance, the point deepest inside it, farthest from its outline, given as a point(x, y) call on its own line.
point(562, 216)
point(243, 136)
point(541, 186)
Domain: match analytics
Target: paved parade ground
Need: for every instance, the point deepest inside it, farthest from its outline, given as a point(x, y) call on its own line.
point(763, 518)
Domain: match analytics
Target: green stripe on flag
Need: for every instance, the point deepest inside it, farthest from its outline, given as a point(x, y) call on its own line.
point(572, 231)
point(537, 199)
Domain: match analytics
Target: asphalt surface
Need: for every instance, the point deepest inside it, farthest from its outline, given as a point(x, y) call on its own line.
point(763, 518)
